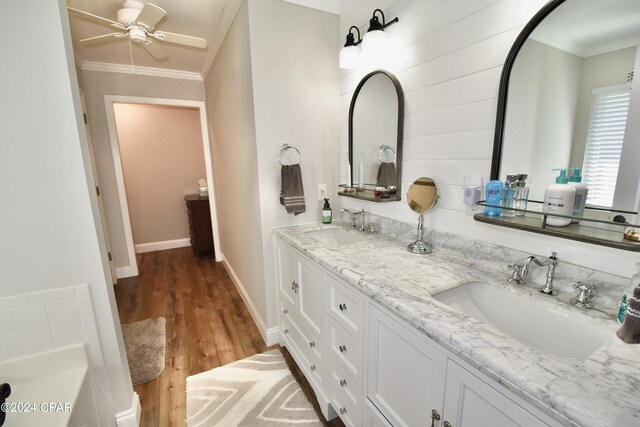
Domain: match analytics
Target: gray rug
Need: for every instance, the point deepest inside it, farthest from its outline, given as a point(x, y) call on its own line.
point(256, 391)
point(144, 342)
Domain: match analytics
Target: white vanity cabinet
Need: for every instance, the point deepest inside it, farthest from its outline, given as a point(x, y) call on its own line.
point(302, 317)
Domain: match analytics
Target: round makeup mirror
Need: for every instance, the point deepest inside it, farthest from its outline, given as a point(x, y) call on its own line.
point(422, 197)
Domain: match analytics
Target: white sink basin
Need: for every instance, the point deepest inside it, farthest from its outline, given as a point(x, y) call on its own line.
point(335, 236)
point(534, 324)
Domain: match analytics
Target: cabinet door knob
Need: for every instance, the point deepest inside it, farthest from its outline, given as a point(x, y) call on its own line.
point(312, 367)
point(342, 307)
point(343, 410)
point(312, 344)
point(285, 311)
point(286, 331)
point(343, 383)
point(446, 424)
point(435, 416)
point(343, 348)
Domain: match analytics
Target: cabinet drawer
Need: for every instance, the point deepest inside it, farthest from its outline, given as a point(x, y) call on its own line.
point(345, 306)
point(346, 351)
point(311, 349)
point(345, 396)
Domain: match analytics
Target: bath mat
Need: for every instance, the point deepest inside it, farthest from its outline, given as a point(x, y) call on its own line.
point(256, 391)
point(144, 342)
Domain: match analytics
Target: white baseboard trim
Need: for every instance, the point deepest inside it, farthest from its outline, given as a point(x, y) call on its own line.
point(268, 336)
point(127, 271)
point(273, 336)
point(131, 416)
point(161, 246)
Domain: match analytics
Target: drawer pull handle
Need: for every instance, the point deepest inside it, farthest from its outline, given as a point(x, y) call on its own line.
point(294, 286)
point(285, 311)
point(343, 410)
point(343, 383)
point(435, 416)
point(286, 331)
point(312, 344)
point(343, 348)
point(312, 367)
point(342, 307)
point(447, 424)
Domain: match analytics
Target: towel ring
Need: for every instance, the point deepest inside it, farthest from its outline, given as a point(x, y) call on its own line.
point(286, 147)
point(384, 148)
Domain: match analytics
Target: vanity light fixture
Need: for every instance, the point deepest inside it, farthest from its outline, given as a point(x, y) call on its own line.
point(373, 43)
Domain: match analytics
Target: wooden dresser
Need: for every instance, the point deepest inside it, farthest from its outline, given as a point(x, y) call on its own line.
point(199, 223)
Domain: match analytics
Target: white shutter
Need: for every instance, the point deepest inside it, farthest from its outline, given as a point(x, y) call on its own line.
point(607, 123)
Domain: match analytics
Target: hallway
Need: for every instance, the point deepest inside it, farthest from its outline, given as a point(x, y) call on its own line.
point(207, 325)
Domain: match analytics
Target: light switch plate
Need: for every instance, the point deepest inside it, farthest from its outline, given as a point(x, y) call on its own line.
point(322, 192)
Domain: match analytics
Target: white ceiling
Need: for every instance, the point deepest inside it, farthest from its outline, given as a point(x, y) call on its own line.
point(208, 19)
point(591, 27)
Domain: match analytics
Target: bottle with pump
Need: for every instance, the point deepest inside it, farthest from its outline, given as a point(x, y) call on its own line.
point(522, 195)
point(581, 192)
point(509, 196)
point(558, 199)
point(326, 212)
point(628, 293)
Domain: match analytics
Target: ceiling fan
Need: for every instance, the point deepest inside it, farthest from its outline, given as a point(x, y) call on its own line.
point(137, 21)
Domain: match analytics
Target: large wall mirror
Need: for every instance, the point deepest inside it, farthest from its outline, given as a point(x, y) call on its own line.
point(376, 118)
point(567, 101)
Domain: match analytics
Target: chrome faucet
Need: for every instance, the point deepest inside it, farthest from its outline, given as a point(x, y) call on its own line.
point(353, 219)
point(520, 272)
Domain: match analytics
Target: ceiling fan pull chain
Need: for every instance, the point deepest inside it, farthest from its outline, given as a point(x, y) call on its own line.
point(131, 54)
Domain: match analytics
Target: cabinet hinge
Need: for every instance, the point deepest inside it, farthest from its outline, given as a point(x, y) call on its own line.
point(84, 115)
point(109, 255)
point(97, 190)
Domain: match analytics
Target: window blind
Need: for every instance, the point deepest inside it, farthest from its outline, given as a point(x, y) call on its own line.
point(605, 135)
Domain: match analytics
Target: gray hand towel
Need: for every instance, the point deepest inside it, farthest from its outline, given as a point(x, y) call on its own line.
point(629, 332)
point(292, 192)
point(386, 174)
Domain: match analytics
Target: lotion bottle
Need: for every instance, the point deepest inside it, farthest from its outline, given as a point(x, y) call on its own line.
point(558, 199)
point(581, 192)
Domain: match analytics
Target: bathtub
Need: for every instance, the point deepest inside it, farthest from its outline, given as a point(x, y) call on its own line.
point(50, 389)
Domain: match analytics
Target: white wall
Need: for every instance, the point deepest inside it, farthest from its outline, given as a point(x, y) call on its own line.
point(541, 112)
point(455, 52)
point(274, 81)
point(97, 84)
point(49, 221)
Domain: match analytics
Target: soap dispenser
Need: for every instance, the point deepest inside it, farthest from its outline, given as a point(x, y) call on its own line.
point(558, 199)
point(581, 192)
point(327, 215)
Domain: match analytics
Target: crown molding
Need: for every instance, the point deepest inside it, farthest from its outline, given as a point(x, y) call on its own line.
point(331, 6)
point(140, 71)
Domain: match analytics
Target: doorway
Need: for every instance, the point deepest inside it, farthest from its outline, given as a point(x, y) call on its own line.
point(148, 225)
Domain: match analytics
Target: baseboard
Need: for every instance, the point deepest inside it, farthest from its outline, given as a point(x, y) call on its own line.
point(161, 246)
point(268, 336)
point(130, 417)
point(127, 271)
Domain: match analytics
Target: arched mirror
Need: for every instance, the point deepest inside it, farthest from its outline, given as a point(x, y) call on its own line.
point(376, 118)
point(566, 100)
point(422, 197)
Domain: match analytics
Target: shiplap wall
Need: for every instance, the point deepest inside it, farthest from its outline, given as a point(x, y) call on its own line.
point(455, 50)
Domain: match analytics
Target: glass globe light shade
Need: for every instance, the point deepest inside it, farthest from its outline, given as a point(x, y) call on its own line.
point(374, 43)
point(349, 57)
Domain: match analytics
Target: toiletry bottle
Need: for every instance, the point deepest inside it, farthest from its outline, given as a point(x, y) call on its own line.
point(522, 195)
point(558, 199)
point(361, 171)
point(628, 293)
point(581, 192)
point(493, 198)
point(348, 171)
point(326, 212)
point(509, 196)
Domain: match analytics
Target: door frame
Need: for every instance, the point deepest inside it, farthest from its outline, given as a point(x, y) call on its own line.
point(109, 100)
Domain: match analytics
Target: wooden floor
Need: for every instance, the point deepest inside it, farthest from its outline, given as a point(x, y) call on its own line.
point(207, 326)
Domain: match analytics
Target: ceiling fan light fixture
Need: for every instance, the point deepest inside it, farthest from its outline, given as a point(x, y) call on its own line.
point(137, 35)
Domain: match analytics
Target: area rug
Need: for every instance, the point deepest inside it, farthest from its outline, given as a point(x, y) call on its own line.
point(144, 342)
point(256, 391)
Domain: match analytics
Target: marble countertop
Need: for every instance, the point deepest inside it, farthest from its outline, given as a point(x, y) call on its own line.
point(603, 390)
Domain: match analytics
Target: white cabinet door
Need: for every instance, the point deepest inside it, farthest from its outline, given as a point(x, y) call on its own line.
point(311, 294)
point(470, 402)
point(406, 376)
point(287, 273)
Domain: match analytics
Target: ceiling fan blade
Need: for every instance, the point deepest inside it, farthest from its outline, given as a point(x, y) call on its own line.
point(94, 17)
point(150, 15)
point(180, 39)
point(155, 50)
point(102, 37)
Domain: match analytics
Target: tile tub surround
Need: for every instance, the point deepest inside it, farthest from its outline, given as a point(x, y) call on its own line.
point(598, 391)
point(41, 321)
